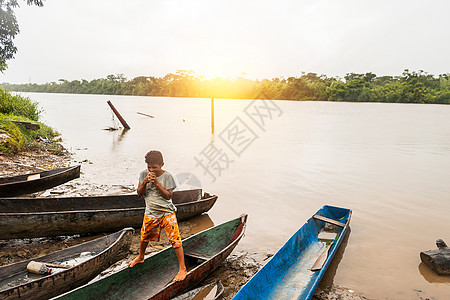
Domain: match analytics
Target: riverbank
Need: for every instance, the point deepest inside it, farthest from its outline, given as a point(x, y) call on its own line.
point(238, 268)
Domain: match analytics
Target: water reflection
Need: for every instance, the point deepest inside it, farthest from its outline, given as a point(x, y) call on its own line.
point(197, 224)
point(328, 278)
point(432, 277)
point(118, 138)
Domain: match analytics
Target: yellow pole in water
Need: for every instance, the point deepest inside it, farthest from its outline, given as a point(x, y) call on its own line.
point(212, 115)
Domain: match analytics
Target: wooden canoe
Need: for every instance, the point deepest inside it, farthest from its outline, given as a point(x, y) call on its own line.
point(39, 217)
point(152, 279)
point(288, 274)
point(211, 291)
point(17, 283)
point(35, 182)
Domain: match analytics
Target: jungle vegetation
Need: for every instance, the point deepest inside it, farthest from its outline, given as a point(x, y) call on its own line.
point(14, 136)
point(409, 87)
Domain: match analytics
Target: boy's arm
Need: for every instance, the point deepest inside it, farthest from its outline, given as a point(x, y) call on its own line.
point(167, 194)
point(141, 189)
point(141, 185)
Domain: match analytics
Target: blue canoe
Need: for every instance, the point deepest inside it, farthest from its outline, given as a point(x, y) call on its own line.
point(288, 274)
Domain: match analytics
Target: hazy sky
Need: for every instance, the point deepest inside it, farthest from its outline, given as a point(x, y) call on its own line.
point(88, 39)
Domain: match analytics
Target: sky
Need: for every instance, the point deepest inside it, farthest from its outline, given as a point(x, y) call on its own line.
point(89, 39)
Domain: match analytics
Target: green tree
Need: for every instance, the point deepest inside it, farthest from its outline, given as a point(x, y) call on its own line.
point(9, 28)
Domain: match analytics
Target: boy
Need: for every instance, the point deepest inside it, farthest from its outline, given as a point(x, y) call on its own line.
point(157, 185)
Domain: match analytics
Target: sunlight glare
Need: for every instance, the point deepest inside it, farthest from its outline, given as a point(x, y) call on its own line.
point(218, 70)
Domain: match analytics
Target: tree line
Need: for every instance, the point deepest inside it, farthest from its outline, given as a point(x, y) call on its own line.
point(410, 87)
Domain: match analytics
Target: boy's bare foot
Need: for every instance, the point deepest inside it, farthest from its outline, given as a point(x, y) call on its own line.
point(181, 275)
point(135, 261)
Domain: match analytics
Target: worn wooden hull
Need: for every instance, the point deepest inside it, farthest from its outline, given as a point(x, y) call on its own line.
point(186, 210)
point(38, 217)
point(19, 185)
point(153, 278)
point(44, 287)
point(288, 274)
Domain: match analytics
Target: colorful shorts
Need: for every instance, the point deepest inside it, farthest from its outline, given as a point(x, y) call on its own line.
point(151, 229)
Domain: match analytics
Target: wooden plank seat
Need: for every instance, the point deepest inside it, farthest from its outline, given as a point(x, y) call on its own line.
point(328, 220)
point(198, 256)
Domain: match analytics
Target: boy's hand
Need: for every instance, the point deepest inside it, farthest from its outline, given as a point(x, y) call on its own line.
point(149, 178)
point(155, 180)
point(152, 178)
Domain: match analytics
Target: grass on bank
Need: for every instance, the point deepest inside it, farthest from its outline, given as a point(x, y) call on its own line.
point(15, 137)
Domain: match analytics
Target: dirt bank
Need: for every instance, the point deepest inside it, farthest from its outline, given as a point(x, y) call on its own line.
point(238, 268)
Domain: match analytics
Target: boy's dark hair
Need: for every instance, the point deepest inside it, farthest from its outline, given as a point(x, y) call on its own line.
point(154, 157)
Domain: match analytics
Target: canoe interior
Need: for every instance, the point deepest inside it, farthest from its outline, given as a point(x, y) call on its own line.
point(150, 278)
point(288, 274)
point(19, 185)
point(210, 291)
point(15, 277)
point(60, 204)
point(23, 177)
point(188, 195)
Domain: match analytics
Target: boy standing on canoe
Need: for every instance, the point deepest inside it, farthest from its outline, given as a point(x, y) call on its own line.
point(157, 185)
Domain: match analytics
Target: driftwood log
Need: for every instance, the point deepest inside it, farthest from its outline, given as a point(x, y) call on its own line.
point(29, 125)
point(439, 259)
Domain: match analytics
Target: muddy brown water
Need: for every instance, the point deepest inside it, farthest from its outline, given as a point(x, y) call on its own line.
point(280, 161)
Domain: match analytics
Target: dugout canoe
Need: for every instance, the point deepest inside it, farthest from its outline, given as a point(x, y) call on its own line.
point(17, 283)
point(288, 274)
point(45, 217)
point(152, 279)
point(190, 203)
point(35, 182)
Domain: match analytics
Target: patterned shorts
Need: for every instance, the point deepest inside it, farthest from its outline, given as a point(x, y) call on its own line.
point(151, 229)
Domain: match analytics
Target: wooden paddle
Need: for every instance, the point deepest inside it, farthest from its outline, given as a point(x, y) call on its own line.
point(57, 266)
point(321, 259)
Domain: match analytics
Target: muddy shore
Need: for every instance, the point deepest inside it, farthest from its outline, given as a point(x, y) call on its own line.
point(238, 268)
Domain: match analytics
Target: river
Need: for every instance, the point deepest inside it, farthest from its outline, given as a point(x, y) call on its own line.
point(280, 161)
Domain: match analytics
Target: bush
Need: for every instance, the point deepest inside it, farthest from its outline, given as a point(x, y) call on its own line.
point(15, 142)
point(17, 108)
point(18, 105)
